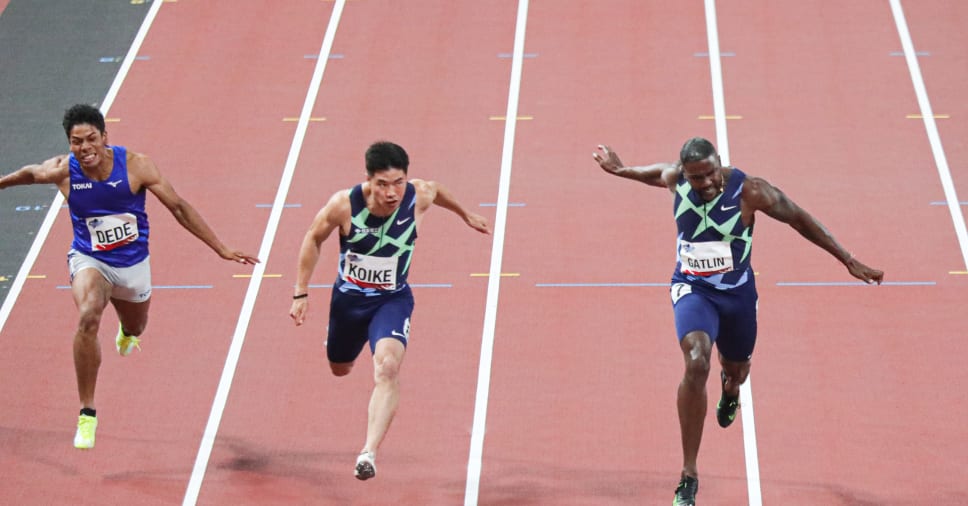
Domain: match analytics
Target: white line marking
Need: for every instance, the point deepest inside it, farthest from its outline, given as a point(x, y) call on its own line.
point(932, 128)
point(231, 361)
point(722, 143)
point(494, 279)
point(716, 72)
point(58, 201)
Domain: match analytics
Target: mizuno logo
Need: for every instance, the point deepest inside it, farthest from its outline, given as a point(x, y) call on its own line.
point(725, 208)
point(114, 184)
point(395, 333)
point(401, 222)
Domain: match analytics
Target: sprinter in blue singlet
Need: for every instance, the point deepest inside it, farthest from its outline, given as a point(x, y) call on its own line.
point(371, 302)
point(713, 286)
point(105, 188)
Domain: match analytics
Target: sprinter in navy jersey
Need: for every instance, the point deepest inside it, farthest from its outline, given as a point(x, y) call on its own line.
point(105, 188)
point(371, 302)
point(713, 288)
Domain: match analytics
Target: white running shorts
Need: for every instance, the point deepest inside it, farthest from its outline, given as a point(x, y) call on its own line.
point(132, 284)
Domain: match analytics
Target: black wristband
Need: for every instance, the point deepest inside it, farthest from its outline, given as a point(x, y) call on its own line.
point(301, 296)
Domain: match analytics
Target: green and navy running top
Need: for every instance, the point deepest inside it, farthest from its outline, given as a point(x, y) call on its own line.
point(374, 259)
point(110, 223)
point(713, 246)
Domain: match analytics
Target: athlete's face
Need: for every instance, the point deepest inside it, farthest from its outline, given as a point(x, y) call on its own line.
point(386, 189)
point(88, 145)
point(705, 177)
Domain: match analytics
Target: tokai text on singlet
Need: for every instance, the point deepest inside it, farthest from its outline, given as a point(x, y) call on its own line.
point(110, 223)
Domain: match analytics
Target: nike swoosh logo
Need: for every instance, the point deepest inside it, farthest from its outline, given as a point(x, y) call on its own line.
point(114, 184)
point(724, 208)
point(401, 222)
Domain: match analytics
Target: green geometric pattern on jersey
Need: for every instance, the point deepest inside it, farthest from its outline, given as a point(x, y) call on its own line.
point(403, 243)
point(726, 229)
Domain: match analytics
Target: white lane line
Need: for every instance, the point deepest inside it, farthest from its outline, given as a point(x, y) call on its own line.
point(722, 143)
point(472, 488)
point(931, 127)
point(232, 359)
point(58, 202)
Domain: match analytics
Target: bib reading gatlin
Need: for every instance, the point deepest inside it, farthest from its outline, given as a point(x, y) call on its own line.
point(705, 258)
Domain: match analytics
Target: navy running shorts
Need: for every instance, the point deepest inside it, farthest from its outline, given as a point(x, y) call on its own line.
point(728, 316)
point(356, 319)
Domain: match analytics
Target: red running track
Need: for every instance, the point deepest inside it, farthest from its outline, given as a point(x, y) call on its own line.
point(852, 404)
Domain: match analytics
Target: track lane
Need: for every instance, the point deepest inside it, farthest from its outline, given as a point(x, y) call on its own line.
point(583, 392)
point(934, 29)
point(156, 402)
point(312, 424)
point(799, 466)
point(839, 369)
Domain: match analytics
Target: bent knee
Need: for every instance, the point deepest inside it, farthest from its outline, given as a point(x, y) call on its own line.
point(341, 368)
point(89, 321)
point(386, 368)
point(133, 330)
point(696, 351)
point(697, 369)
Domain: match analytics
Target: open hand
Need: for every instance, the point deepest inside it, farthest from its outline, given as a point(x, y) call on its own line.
point(864, 273)
point(478, 222)
point(607, 159)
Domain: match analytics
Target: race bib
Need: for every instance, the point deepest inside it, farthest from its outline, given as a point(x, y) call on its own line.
point(705, 258)
point(113, 231)
point(370, 272)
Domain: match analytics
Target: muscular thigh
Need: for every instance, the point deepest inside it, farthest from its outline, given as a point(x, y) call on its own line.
point(91, 291)
point(737, 328)
point(727, 316)
point(392, 320)
point(355, 320)
point(349, 319)
point(693, 311)
point(132, 284)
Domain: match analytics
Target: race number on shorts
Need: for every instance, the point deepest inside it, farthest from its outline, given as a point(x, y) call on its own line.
point(678, 291)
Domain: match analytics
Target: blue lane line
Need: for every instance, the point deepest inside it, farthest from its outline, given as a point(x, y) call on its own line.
point(158, 287)
point(781, 283)
point(119, 59)
point(583, 285)
point(412, 285)
point(855, 283)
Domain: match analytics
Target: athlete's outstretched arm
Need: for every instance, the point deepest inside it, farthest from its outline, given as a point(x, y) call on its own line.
point(761, 195)
point(434, 192)
point(53, 170)
point(662, 175)
point(147, 175)
point(328, 219)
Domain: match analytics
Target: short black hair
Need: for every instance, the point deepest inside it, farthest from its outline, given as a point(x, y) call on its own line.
point(696, 149)
point(82, 114)
point(384, 155)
